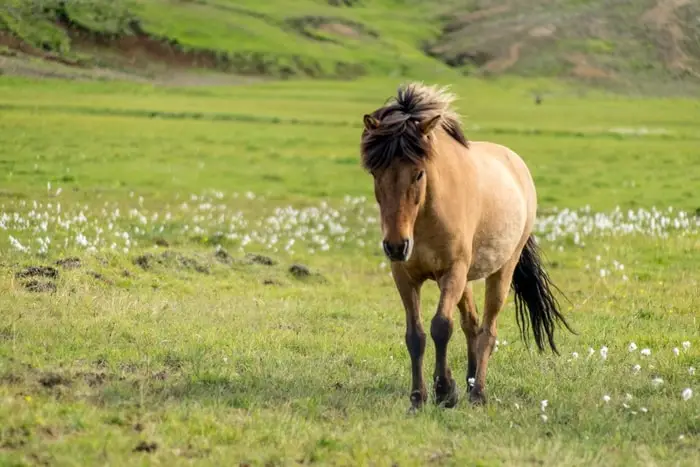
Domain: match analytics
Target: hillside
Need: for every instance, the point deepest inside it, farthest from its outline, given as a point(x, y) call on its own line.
point(614, 41)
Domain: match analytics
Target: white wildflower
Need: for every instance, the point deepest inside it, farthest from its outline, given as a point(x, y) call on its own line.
point(687, 394)
point(645, 352)
point(632, 347)
point(657, 381)
point(606, 398)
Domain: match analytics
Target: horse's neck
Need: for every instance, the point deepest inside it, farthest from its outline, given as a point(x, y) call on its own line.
point(451, 168)
point(450, 172)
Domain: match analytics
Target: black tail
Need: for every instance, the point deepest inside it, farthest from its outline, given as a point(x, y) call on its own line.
point(531, 285)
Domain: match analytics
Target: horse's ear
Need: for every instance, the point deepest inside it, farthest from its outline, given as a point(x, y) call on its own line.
point(427, 126)
point(371, 123)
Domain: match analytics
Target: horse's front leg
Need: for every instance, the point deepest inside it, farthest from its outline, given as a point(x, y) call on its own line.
point(452, 285)
point(415, 335)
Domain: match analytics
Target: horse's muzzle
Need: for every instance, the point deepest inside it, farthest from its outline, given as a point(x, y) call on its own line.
point(400, 251)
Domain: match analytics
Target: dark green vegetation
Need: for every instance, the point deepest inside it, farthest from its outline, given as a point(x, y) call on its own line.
point(165, 343)
point(622, 44)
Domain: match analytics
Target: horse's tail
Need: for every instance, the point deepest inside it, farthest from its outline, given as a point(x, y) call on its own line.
point(531, 285)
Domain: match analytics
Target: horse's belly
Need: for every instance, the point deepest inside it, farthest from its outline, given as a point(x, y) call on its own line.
point(494, 245)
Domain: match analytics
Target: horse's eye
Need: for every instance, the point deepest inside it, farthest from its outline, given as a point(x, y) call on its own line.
point(420, 175)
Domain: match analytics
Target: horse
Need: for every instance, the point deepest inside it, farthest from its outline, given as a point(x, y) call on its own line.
point(455, 211)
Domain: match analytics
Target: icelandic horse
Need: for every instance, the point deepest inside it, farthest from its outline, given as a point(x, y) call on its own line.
point(455, 211)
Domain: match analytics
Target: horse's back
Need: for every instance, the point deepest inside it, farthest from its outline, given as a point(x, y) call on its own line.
point(508, 203)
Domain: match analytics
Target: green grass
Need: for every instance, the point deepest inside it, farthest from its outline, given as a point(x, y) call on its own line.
point(219, 360)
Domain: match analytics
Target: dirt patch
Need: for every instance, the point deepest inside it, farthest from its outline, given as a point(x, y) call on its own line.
point(299, 271)
point(319, 28)
point(339, 29)
point(40, 286)
point(37, 285)
point(94, 379)
point(582, 69)
point(170, 259)
point(161, 242)
point(51, 380)
point(543, 31)
point(223, 256)
point(260, 259)
point(37, 271)
point(100, 277)
point(145, 446)
point(69, 263)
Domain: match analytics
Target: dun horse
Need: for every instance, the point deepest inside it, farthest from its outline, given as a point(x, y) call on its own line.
point(454, 211)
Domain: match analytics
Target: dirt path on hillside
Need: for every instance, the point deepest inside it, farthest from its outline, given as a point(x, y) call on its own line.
point(502, 64)
point(663, 18)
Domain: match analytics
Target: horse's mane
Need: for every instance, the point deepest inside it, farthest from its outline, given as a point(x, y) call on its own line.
point(398, 125)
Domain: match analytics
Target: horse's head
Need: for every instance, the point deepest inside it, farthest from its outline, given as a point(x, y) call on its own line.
point(400, 180)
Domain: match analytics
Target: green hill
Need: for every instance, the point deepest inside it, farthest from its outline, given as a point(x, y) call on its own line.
point(615, 41)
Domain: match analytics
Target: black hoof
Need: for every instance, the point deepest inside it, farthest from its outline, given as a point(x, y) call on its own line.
point(477, 396)
point(417, 401)
point(413, 410)
point(446, 394)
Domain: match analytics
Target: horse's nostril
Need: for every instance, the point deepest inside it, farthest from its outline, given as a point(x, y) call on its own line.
point(397, 251)
point(387, 248)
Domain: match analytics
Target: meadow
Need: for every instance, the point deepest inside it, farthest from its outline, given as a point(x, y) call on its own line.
point(193, 276)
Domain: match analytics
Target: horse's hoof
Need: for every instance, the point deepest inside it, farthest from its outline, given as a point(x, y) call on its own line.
point(477, 396)
point(418, 399)
point(447, 399)
point(413, 410)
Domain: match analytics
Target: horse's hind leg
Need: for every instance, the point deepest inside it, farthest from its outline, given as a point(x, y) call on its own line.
point(470, 326)
point(452, 286)
point(497, 288)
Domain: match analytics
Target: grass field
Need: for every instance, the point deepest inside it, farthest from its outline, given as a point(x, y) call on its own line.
point(158, 338)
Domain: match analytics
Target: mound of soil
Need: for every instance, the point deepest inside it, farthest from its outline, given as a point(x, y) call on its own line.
point(170, 259)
